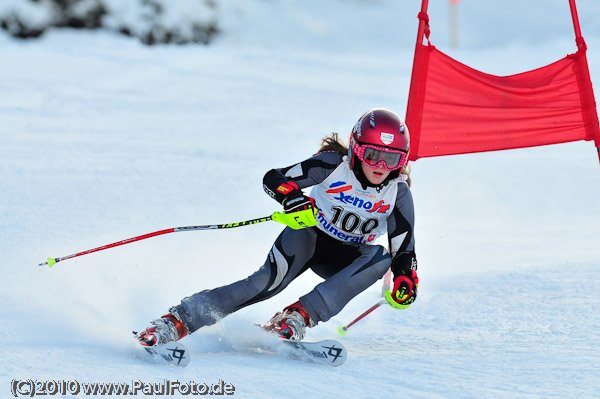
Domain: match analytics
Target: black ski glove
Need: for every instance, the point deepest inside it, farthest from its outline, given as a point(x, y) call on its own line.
point(404, 291)
point(300, 203)
point(406, 281)
point(289, 189)
point(295, 200)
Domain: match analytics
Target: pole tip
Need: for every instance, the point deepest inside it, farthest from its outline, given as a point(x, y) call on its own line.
point(342, 330)
point(51, 262)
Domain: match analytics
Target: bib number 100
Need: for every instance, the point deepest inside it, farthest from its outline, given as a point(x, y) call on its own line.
point(351, 222)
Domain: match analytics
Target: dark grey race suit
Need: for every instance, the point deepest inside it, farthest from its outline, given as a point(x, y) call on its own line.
point(347, 267)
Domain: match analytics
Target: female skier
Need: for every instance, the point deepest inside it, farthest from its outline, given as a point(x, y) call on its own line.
point(358, 193)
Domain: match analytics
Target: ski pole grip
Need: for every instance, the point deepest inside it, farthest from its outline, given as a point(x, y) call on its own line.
point(296, 220)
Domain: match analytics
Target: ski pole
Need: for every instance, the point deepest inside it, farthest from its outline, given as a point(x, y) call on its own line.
point(296, 220)
point(387, 278)
point(343, 330)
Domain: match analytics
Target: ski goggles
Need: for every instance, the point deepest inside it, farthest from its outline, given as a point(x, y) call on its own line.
point(375, 156)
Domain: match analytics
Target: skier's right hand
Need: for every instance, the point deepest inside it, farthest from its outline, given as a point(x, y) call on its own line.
point(294, 199)
point(300, 212)
point(300, 203)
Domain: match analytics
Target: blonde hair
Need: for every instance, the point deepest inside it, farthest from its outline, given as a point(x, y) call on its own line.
point(333, 143)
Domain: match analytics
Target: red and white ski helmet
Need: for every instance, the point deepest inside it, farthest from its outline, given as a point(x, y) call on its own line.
point(382, 129)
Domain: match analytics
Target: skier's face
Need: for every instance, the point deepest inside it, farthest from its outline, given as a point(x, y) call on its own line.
point(376, 175)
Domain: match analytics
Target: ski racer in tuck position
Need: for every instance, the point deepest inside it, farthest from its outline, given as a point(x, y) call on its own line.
point(358, 193)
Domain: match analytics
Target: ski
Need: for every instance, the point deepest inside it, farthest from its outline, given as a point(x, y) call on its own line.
point(328, 352)
point(173, 353)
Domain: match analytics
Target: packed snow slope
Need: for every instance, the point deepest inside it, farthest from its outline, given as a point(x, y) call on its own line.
point(103, 139)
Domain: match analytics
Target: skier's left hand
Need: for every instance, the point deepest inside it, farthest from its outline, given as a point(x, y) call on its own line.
point(404, 291)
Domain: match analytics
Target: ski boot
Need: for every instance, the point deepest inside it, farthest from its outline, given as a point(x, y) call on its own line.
point(160, 331)
point(291, 323)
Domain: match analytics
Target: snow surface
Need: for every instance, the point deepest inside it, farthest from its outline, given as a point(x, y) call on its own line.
point(104, 138)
